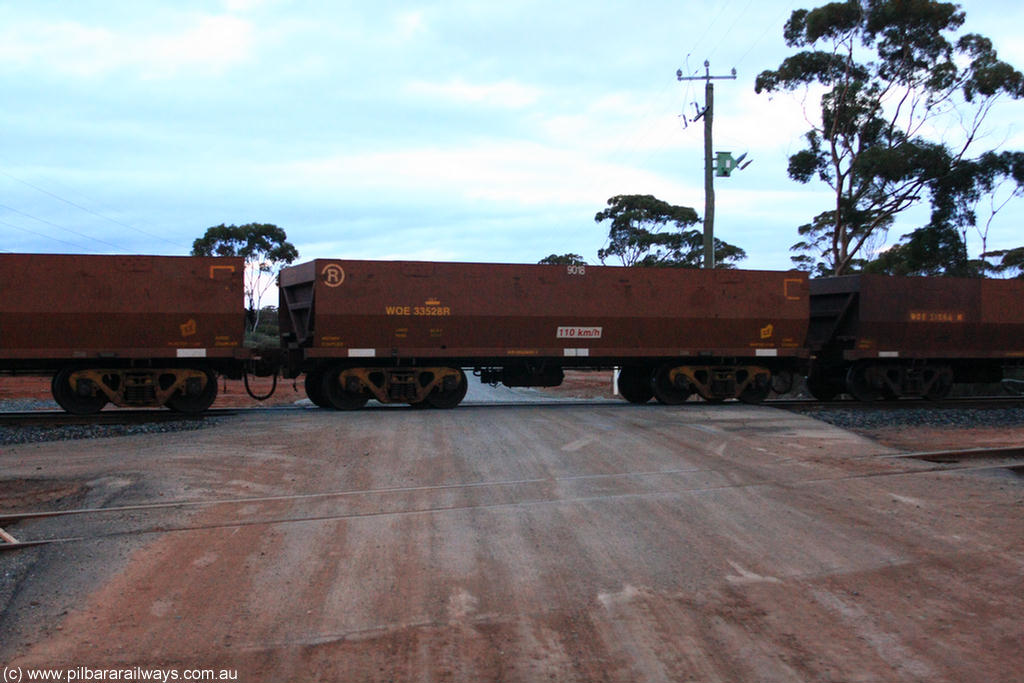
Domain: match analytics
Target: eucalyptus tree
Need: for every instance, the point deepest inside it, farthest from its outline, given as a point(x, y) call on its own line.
point(902, 102)
point(646, 231)
point(265, 248)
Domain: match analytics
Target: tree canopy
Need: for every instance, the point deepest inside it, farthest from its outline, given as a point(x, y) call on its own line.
point(265, 248)
point(1010, 261)
point(901, 109)
point(563, 260)
point(646, 231)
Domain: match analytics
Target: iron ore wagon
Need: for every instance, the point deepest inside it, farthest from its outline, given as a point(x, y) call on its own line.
point(128, 330)
point(406, 331)
point(875, 336)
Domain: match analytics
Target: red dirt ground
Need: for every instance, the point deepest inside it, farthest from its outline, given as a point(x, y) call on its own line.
point(521, 543)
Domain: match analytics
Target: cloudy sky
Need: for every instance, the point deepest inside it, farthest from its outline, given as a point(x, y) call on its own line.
point(454, 130)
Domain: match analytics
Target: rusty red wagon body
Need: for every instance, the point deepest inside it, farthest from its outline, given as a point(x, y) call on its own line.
point(877, 336)
point(131, 330)
point(155, 330)
point(405, 330)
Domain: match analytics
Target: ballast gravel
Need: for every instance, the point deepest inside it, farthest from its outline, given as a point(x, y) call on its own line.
point(853, 418)
point(32, 434)
point(933, 416)
point(10, 436)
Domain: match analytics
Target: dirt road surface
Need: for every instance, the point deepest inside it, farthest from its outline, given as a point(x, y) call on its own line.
point(515, 542)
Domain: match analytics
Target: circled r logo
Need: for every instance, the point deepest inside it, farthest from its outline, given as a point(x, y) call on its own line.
point(332, 275)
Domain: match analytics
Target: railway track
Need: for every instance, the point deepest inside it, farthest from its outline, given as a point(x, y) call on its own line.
point(57, 418)
point(501, 494)
point(958, 456)
point(979, 403)
point(143, 415)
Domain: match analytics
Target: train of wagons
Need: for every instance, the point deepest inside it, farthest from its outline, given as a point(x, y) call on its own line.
point(158, 330)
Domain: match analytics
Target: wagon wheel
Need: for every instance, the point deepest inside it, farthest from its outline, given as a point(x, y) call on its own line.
point(782, 382)
point(439, 398)
point(71, 400)
point(336, 396)
point(193, 404)
point(314, 383)
point(665, 391)
point(859, 384)
point(820, 388)
point(635, 384)
point(757, 391)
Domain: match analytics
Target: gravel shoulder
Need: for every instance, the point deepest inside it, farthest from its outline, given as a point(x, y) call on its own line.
point(932, 427)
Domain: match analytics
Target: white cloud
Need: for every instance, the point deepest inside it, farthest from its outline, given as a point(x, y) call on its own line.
point(213, 42)
point(521, 173)
point(409, 24)
point(765, 122)
point(503, 94)
point(622, 137)
point(206, 44)
point(242, 5)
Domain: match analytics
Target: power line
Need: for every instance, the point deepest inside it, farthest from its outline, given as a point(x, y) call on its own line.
point(772, 25)
point(60, 227)
point(741, 15)
point(87, 210)
point(707, 31)
point(49, 237)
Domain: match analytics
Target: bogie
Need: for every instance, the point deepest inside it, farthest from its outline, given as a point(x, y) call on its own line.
point(868, 381)
point(349, 388)
point(85, 390)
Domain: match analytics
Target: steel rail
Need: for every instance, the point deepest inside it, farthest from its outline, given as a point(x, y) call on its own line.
point(55, 418)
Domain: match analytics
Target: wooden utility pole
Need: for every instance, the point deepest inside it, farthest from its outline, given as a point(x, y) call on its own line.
point(709, 168)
